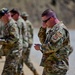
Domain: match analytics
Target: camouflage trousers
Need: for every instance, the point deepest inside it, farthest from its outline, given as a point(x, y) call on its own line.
point(47, 72)
point(11, 64)
point(27, 61)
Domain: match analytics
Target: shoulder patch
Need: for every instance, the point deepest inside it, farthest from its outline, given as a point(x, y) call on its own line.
point(56, 36)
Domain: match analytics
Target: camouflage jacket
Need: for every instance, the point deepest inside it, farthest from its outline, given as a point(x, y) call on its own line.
point(55, 46)
point(10, 39)
point(29, 32)
point(22, 32)
point(1, 29)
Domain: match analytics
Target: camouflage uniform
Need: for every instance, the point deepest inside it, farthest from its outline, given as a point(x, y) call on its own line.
point(30, 42)
point(27, 52)
point(11, 42)
point(23, 35)
point(22, 32)
point(1, 29)
point(1, 35)
point(56, 49)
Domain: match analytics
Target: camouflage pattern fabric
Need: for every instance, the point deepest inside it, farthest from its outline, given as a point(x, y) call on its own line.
point(26, 53)
point(22, 32)
point(29, 32)
point(56, 49)
point(12, 44)
point(1, 29)
point(1, 35)
point(27, 61)
point(22, 35)
point(47, 71)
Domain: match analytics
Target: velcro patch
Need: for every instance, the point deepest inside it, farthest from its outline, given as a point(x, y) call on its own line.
point(56, 36)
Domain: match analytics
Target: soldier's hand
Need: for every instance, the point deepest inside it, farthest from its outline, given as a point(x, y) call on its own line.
point(44, 25)
point(37, 46)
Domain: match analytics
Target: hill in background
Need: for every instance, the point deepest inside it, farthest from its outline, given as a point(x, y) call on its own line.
point(65, 9)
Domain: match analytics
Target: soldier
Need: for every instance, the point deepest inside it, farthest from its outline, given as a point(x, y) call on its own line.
point(21, 27)
point(55, 45)
point(26, 53)
point(10, 42)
